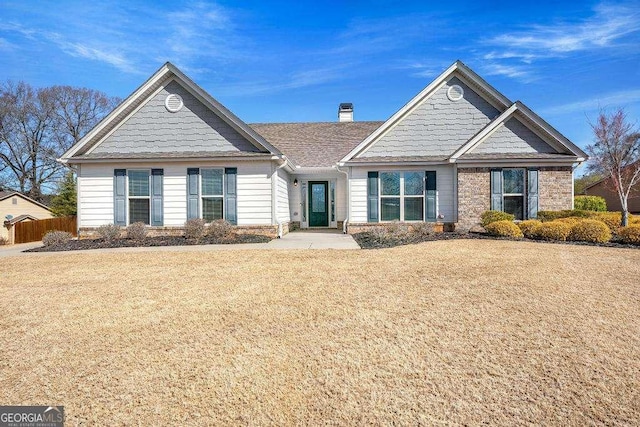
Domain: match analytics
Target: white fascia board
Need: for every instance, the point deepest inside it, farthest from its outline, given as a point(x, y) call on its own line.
point(154, 79)
point(173, 159)
point(464, 71)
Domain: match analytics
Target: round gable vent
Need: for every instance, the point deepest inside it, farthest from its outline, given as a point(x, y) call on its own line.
point(455, 93)
point(173, 103)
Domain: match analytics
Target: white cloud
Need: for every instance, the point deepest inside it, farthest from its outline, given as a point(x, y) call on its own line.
point(513, 71)
point(614, 99)
point(607, 26)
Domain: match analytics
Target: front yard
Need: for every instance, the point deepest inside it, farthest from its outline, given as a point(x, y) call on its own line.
point(461, 332)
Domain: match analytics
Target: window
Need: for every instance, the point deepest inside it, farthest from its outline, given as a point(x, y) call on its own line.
point(513, 192)
point(402, 196)
point(212, 194)
point(139, 196)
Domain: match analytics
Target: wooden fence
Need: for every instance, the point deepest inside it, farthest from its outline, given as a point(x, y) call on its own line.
point(33, 231)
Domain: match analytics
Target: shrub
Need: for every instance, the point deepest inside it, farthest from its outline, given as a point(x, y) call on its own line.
point(504, 228)
point(611, 219)
point(590, 230)
point(109, 232)
point(488, 217)
point(137, 231)
point(422, 229)
point(56, 238)
point(634, 219)
point(590, 203)
point(528, 227)
point(396, 228)
point(552, 215)
point(552, 230)
point(630, 234)
point(194, 228)
point(571, 220)
point(219, 229)
point(3, 241)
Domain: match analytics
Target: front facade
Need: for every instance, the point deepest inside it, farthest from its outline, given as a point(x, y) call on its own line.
point(170, 152)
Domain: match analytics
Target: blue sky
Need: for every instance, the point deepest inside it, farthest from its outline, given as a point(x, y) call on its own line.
point(296, 61)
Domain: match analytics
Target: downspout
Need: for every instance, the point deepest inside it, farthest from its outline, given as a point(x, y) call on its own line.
point(346, 220)
point(274, 192)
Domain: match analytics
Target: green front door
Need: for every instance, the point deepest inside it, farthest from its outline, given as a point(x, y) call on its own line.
point(318, 204)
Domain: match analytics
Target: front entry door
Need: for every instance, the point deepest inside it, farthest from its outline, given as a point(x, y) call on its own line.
point(318, 204)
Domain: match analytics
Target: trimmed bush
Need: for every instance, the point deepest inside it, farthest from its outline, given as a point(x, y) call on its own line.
point(571, 220)
point(219, 229)
point(423, 228)
point(504, 228)
point(611, 219)
point(630, 234)
point(552, 230)
point(137, 231)
point(552, 215)
point(109, 232)
point(634, 219)
point(590, 203)
point(528, 227)
point(488, 217)
point(590, 230)
point(56, 238)
point(3, 241)
point(194, 229)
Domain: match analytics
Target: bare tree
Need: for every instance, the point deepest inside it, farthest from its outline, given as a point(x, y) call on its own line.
point(37, 126)
point(616, 154)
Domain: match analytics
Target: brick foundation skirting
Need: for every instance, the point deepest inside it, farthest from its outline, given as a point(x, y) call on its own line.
point(265, 230)
point(363, 227)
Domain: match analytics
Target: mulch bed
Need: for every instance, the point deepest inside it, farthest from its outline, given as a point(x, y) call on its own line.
point(368, 240)
point(78, 245)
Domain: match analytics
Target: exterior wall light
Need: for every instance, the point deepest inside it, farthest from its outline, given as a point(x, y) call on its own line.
point(295, 182)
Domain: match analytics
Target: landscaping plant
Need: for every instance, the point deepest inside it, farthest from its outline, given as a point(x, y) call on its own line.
point(528, 227)
point(552, 230)
point(109, 232)
point(488, 217)
point(194, 229)
point(56, 238)
point(504, 228)
point(630, 234)
point(219, 229)
point(137, 231)
point(590, 203)
point(590, 230)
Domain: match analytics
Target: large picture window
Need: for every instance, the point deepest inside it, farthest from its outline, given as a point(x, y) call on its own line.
point(515, 191)
point(402, 196)
point(139, 196)
point(212, 194)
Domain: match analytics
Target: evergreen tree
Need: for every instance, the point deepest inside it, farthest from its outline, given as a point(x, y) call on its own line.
point(65, 202)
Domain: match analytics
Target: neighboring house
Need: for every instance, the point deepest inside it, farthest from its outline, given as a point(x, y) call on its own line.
point(605, 189)
point(16, 207)
point(171, 152)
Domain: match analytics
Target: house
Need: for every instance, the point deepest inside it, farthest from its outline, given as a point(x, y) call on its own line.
point(16, 207)
point(171, 152)
point(605, 189)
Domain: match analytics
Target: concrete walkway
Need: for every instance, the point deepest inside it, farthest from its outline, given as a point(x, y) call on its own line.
point(302, 240)
point(314, 239)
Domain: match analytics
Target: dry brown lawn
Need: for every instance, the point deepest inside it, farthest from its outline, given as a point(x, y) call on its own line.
point(450, 332)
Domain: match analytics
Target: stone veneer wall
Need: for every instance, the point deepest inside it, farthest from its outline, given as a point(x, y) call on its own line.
point(555, 190)
point(474, 195)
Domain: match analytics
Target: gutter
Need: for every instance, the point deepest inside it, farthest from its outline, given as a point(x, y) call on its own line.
point(346, 220)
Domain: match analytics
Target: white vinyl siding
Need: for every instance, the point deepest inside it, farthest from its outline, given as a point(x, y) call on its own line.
point(444, 183)
point(95, 183)
point(282, 194)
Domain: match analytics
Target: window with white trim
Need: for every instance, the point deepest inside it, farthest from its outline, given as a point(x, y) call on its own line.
point(212, 194)
point(139, 196)
point(402, 196)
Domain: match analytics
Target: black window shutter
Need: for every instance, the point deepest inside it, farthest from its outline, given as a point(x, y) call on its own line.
point(193, 193)
point(430, 195)
point(156, 197)
point(496, 189)
point(532, 193)
point(372, 197)
point(120, 196)
point(231, 195)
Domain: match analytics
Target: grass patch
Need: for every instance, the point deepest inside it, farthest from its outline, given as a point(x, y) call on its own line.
point(451, 332)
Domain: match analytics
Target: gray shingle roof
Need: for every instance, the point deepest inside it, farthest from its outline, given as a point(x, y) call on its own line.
point(172, 155)
point(496, 156)
point(320, 144)
point(393, 159)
